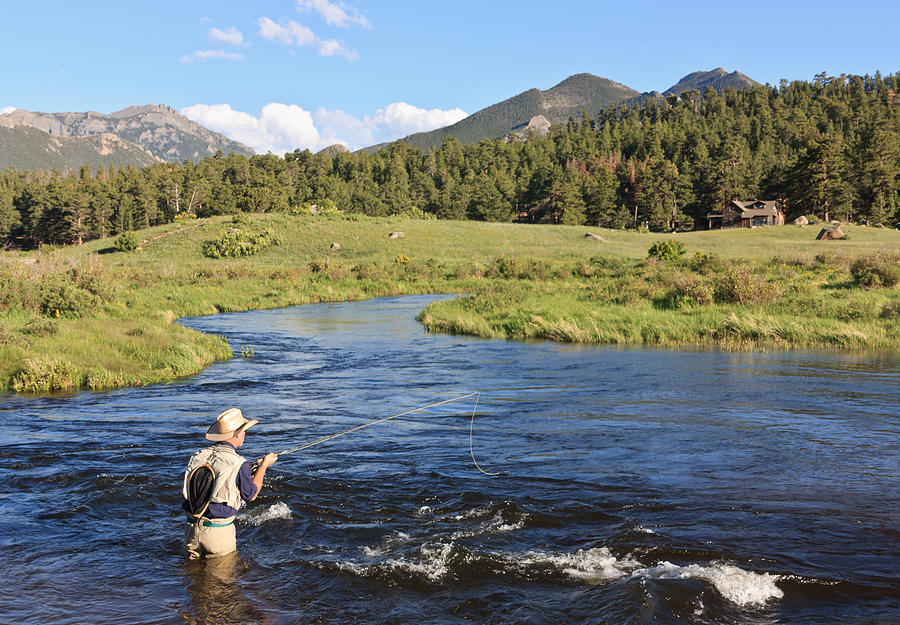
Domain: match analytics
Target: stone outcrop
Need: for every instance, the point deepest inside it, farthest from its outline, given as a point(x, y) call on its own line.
point(831, 233)
point(333, 150)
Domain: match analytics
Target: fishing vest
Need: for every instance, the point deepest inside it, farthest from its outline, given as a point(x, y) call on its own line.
point(225, 463)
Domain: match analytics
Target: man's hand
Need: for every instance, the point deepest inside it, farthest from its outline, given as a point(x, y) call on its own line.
point(268, 460)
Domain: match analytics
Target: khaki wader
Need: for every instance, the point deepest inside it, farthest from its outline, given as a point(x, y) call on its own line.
point(210, 538)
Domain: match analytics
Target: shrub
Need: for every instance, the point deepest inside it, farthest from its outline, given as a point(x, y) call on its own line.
point(323, 208)
point(875, 271)
point(510, 267)
point(368, 271)
point(463, 272)
point(238, 242)
point(891, 310)
point(41, 327)
point(126, 242)
point(61, 299)
point(667, 250)
point(93, 279)
point(240, 220)
point(693, 291)
point(18, 292)
point(46, 374)
point(608, 262)
point(833, 259)
point(741, 286)
point(328, 208)
point(706, 263)
point(328, 268)
point(418, 213)
point(852, 309)
point(585, 269)
point(504, 267)
point(318, 265)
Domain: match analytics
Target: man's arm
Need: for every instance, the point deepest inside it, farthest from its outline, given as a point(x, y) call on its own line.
point(267, 461)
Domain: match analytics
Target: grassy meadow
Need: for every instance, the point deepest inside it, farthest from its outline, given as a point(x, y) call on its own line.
point(92, 317)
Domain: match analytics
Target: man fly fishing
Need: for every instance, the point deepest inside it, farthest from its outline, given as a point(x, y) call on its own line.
point(217, 482)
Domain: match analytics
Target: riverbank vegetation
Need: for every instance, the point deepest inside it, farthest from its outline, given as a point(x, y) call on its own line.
point(99, 316)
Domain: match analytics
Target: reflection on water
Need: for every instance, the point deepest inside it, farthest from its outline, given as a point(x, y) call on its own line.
point(644, 486)
point(217, 594)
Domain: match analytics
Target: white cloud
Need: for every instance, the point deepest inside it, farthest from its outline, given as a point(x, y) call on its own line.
point(231, 36)
point(292, 33)
point(289, 34)
point(206, 55)
point(333, 47)
point(334, 14)
point(401, 119)
point(278, 129)
point(7, 109)
point(281, 128)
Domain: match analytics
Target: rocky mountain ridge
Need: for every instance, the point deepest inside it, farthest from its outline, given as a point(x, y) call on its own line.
point(159, 130)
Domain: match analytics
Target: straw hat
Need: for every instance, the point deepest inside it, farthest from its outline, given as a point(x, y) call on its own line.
point(228, 424)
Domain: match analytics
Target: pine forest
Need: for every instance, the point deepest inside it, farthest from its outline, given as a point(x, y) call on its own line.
point(829, 148)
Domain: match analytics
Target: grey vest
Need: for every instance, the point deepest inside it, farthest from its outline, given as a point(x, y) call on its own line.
point(225, 463)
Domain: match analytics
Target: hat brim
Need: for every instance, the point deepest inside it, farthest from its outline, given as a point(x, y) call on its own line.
point(214, 435)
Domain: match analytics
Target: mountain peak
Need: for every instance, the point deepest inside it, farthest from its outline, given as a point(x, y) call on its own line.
point(131, 111)
point(718, 78)
point(570, 98)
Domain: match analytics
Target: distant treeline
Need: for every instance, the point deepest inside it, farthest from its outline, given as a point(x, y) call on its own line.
point(830, 148)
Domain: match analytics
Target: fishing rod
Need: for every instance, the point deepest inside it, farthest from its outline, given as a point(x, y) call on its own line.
point(382, 420)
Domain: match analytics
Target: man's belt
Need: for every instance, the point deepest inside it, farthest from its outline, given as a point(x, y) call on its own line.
point(207, 523)
point(211, 522)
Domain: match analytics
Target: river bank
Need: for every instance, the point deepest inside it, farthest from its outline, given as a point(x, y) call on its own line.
point(92, 317)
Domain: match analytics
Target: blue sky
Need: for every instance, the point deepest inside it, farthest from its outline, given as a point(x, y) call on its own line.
point(286, 74)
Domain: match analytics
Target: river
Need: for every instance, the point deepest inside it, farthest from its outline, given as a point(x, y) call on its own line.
point(637, 485)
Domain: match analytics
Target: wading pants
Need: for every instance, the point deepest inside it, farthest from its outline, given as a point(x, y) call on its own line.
point(210, 538)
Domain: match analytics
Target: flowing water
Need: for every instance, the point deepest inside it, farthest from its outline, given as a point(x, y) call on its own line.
point(642, 486)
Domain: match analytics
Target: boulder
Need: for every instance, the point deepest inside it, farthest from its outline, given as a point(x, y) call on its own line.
point(801, 221)
point(594, 237)
point(395, 235)
point(831, 233)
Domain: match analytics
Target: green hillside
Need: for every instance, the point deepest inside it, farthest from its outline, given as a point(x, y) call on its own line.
point(29, 149)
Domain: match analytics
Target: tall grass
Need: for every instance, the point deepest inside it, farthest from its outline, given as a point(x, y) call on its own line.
point(90, 317)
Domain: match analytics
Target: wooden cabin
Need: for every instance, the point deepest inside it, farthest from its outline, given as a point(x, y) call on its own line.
point(737, 214)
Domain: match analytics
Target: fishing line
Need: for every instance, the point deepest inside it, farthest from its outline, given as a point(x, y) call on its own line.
point(394, 416)
point(471, 450)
